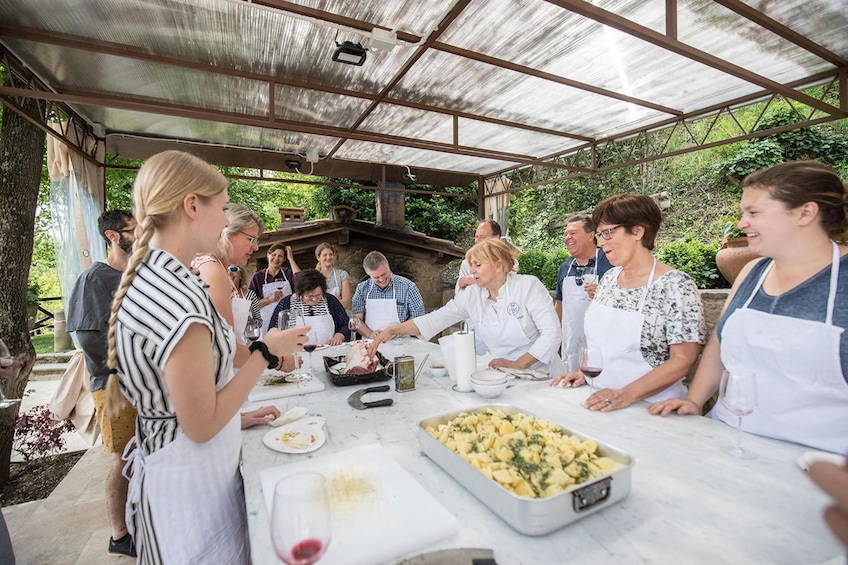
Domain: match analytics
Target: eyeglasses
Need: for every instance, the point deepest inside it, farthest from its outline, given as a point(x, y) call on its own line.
point(127, 230)
point(607, 233)
point(253, 240)
point(314, 295)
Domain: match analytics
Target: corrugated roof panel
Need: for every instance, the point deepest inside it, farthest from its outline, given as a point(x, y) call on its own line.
point(305, 105)
point(512, 140)
point(391, 119)
point(480, 88)
point(822, 21)
point(385, 153)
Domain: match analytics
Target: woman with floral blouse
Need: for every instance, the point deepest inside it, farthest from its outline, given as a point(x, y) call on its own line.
point(646, 317)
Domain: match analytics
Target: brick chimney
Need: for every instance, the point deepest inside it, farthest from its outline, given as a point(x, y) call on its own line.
point(391, 208)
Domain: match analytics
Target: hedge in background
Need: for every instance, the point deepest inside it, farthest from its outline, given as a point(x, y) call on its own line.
point(696, 259)
point(543, 266)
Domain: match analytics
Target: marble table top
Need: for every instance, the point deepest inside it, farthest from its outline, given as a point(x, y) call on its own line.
point(690, 503)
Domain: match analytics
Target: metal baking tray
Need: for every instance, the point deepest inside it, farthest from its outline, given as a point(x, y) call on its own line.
point(533, 517)
point(348, 379)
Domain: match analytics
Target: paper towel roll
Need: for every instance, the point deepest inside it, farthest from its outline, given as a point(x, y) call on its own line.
point(466, 360)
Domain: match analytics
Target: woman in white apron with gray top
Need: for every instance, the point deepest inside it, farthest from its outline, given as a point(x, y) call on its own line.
point(782, 323)
point(338, 280)
point(646, 317)
point(513, 314)
point(171, 354)
point(313, 305)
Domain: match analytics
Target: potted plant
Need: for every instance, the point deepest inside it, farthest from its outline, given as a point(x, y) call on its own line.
point(733, 253)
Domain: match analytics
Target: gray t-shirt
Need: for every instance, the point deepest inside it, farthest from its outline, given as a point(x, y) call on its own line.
point(807, 301)
point(88, 316)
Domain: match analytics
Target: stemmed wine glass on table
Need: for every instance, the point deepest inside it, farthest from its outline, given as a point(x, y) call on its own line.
point(353, 326)
point(738, 393)
point(591, 363)
point(6, 360)
point(301, 518)
point(301, 373)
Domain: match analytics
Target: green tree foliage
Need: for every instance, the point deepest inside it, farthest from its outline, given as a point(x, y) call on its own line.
point(551, 267)
point(696, 259)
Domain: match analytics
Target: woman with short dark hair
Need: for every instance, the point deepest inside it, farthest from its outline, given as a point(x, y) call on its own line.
point(781, 322)
point(646, 317)
point(319, 309)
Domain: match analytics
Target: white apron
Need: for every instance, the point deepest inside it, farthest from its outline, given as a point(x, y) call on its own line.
point(196, 498)
point(334, 285)
point(802, 395)
point(323, 328)
point(241, 312)
point(575, 302)
point(501, 332)
point(619, 335)
point(268, 289)
point(380, 313)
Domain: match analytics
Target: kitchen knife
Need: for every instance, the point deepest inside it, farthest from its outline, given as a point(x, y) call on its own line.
point(355, 399)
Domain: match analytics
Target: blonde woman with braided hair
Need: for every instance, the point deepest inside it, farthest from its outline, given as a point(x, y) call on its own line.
point(172, 353)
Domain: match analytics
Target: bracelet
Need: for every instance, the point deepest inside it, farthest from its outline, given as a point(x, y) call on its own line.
point(273, 360)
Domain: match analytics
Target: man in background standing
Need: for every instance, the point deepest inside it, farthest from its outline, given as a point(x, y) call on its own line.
point(88, 317)
point(575, 287)
point(486, 229)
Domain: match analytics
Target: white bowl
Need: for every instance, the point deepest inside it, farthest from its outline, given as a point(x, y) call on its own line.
point(489, 390)
point(487, 375)
point(490, 382)
point(438, 370)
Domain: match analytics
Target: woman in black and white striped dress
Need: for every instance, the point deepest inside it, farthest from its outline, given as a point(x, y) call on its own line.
point(173, 358)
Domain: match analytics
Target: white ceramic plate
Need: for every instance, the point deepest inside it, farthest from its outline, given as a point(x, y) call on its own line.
point(302, 436)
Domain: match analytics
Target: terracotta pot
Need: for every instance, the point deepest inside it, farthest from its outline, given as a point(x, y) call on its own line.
point(732, 256)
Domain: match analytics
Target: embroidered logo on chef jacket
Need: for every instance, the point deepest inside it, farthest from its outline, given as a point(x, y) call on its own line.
point(512, 309)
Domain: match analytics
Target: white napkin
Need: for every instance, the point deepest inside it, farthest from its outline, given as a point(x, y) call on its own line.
point(291, 415)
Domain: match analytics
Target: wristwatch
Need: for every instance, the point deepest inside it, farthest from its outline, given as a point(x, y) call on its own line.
point(273, 360)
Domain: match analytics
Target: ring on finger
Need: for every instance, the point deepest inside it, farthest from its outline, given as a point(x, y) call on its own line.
point(608, 401)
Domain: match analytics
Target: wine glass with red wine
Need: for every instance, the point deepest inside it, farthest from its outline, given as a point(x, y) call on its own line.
point(252, 330)
point(301, 518)
point(738, 394)
point(592, 363)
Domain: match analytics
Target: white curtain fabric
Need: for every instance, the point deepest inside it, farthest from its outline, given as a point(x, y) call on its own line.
point(76, 196)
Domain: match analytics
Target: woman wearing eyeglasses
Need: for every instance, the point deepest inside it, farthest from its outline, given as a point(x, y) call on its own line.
point(646, 317)
point(274, 282)
point(319, 309)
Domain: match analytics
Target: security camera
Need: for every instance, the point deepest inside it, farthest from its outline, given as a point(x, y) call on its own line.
point(409, 175)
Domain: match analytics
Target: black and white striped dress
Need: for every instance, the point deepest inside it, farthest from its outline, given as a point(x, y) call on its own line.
point(165, 298)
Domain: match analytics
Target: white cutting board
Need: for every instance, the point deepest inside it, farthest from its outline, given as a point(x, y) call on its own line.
point(385, 512)
point(261, 392)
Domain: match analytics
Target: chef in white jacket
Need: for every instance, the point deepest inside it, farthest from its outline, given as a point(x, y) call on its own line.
point(513, 314)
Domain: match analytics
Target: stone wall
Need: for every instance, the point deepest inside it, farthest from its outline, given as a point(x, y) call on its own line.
point(426, 274)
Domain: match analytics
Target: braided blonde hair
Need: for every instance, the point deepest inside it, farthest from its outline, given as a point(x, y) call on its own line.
point(158, 192)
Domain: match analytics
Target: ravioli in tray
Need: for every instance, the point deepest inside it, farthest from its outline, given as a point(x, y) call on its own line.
point(534, 474)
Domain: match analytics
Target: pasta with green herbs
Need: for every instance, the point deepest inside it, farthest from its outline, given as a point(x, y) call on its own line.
point(528, 456)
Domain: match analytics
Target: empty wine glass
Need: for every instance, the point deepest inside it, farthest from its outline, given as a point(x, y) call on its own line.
point(738, 393)
point(592, 363)
point(283, 319)
point(301, 373)
point(252, 330)
point(6, 360)
point(353, 326)
point(301, 518)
